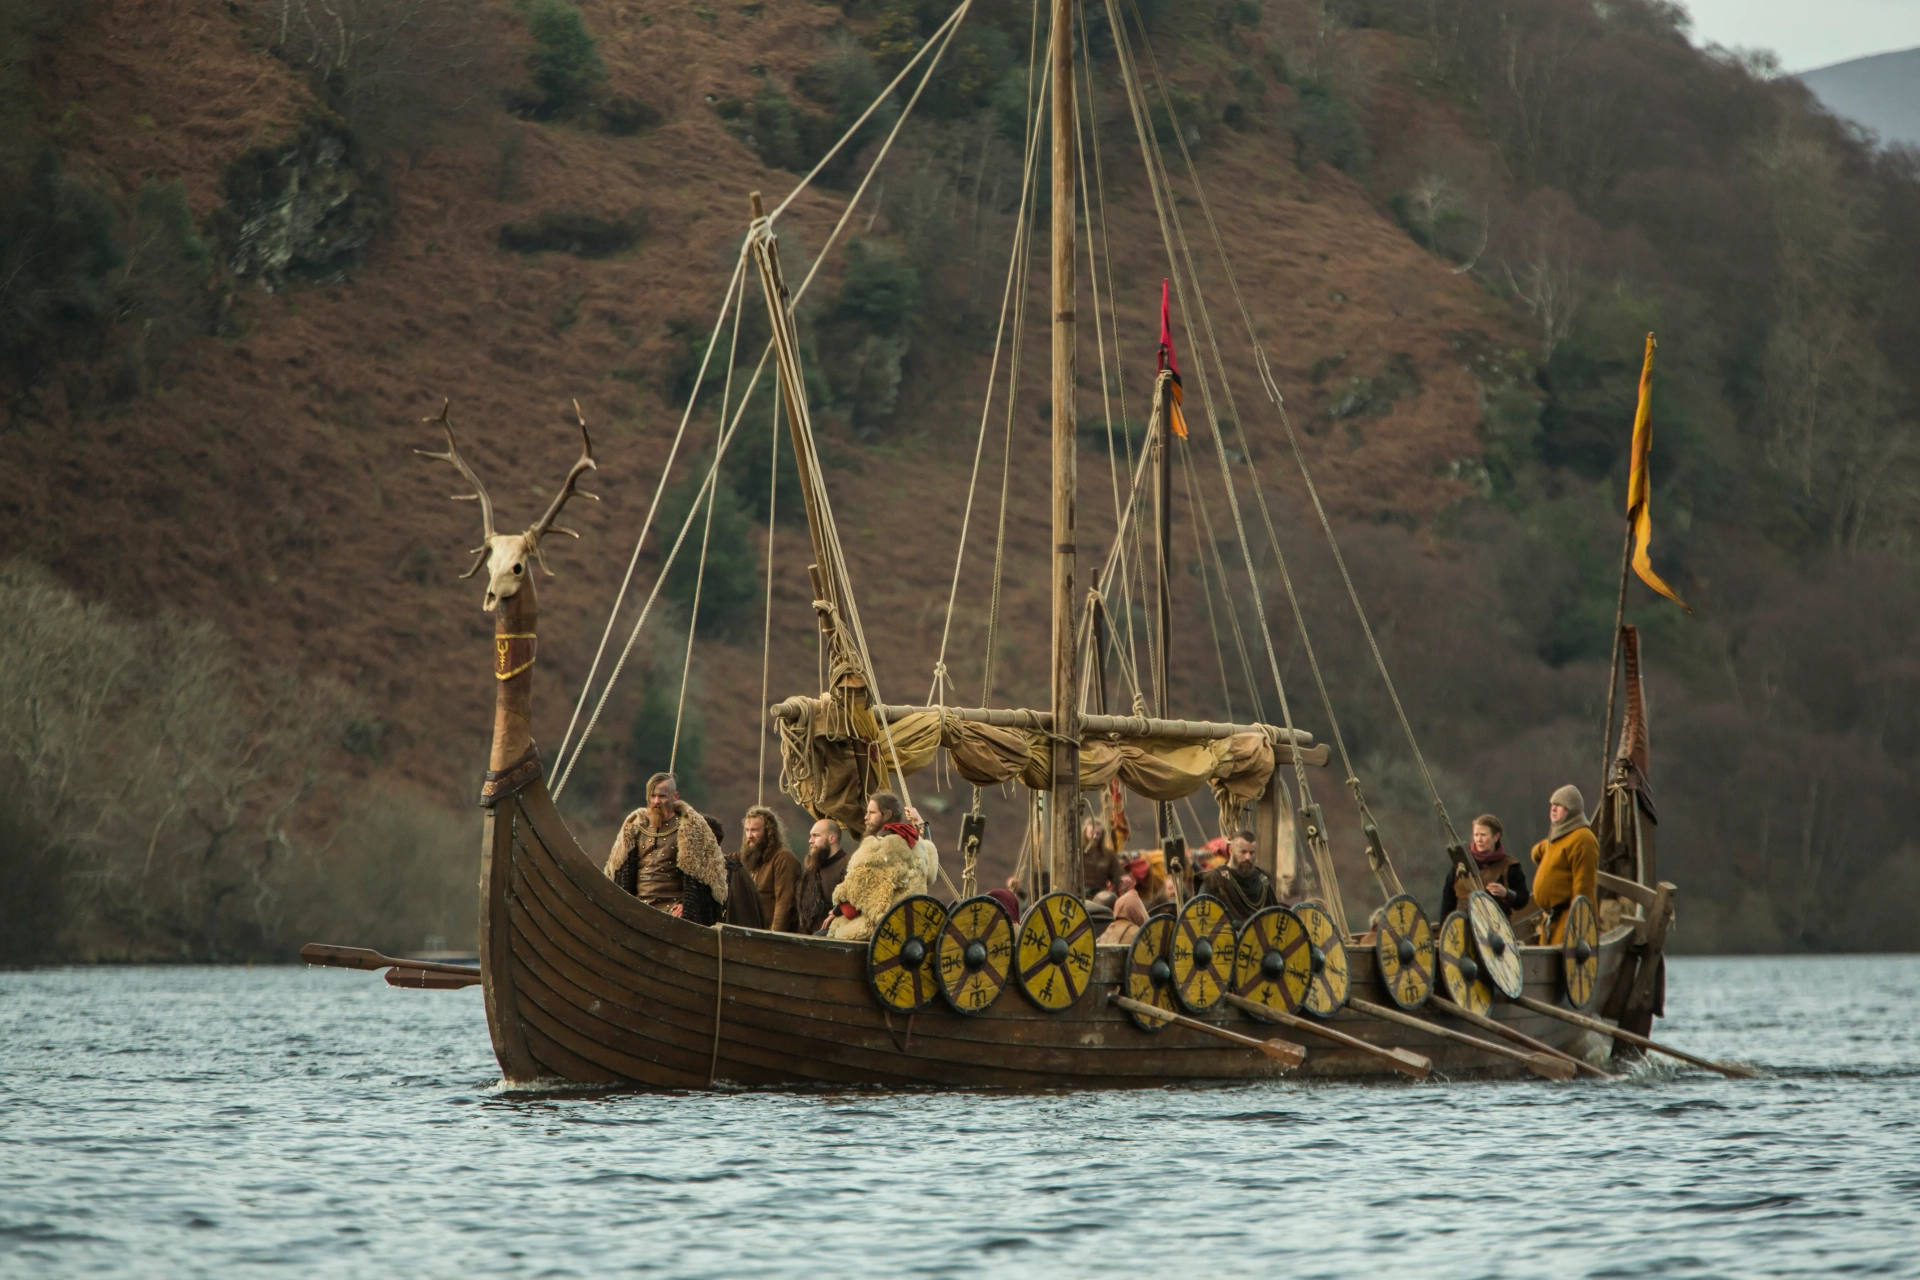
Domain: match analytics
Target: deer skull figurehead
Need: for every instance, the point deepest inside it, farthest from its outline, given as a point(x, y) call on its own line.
point(507, 556)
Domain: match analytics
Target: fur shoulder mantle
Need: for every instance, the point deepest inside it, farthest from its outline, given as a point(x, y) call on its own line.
point(696, 853)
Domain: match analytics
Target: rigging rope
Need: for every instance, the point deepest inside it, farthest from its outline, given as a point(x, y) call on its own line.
point(1120, 383)
point(1273, 392)
point(1161, 189)
point(659, 580)
point(1016, 259)
point(1206, 587)
point(766, 635)
point(736, 284)
point(706, 536)
point(949, 27)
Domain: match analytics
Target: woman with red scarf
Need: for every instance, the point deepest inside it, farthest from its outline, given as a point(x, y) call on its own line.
point(1500, 875)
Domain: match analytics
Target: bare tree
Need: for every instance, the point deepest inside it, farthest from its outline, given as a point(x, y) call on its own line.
point(393, 68)
point(1543, 265)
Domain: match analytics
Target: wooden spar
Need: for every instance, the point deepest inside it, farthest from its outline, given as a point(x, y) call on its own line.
point(794, 396)
point(1499, 1028)
point(1162, 444)
point(1041, 721)
point(1545, 1065)
point(1063, 798)
point(325, 953)
point(1282, 1051)
point(1730, 1069)
point(1405, 1061)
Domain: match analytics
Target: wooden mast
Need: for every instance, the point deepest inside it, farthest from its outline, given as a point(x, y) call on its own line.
point(1162, 444)
point(1063, 800)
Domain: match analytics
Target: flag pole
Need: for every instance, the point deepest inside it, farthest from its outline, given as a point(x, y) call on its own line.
point(1613, 663)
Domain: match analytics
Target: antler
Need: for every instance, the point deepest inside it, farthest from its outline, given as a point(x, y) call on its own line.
point(568, 487)
point(479, 493)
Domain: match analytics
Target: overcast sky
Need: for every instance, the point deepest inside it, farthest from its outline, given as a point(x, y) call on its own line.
point(1808, 33)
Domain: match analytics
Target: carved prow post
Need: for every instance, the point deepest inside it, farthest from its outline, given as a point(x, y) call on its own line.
point(515, 621)
point(509, 559)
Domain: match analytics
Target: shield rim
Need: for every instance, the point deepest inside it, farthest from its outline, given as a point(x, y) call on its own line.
point(1247, 930)
point(1085, 928)
point(1581, 907)
point(1381, 956)
point(1164, 926)
point(1013, 934)
point(1450, 967)
point(1494, 913)
point(933, 982)
point(1339, 948)
point(1227, 985)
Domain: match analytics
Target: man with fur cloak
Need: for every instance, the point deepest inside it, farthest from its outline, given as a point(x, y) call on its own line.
point(666, 855)
point(894, 861)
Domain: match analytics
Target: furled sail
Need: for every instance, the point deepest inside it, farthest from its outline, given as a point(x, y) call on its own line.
point(833, 754)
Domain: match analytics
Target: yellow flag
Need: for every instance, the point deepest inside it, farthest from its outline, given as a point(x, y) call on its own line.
point(1640, 485)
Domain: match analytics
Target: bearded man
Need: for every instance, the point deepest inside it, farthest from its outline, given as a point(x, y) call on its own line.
point(775, 871)
point(892, 862)
point(1241, 887)
point(820, 875)
point(666, 856)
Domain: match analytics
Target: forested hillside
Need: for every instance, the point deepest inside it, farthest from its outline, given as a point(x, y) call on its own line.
point(246, 246)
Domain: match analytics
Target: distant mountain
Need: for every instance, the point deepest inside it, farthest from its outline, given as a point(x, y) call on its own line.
point(1881, 92)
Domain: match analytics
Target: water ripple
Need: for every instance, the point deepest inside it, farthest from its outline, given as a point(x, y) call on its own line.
point(216, 1121)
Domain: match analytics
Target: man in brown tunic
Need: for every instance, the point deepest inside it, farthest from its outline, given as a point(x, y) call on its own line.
point(824, 869)
point(666, 856)
point(775, 871)
point(1241, 887)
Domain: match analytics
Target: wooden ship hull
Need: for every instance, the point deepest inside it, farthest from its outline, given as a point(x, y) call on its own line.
point(586, 984)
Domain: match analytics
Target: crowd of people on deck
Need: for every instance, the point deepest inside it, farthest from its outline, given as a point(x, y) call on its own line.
point(672, 857)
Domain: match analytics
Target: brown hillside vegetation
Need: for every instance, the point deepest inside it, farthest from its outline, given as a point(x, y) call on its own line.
point(258, 260)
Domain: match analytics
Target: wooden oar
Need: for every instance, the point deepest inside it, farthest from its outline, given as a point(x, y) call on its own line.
point(1544, 1065)
point(430, 979)
point(1518, 1037)
point(1402, 1060)
point(365, 958)
point(1728, 1069)
point(1281, 1051)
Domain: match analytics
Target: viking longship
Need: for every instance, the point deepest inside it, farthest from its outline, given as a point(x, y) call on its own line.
point(584, 983)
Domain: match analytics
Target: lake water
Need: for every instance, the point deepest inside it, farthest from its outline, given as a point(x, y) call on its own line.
point(205, 1121)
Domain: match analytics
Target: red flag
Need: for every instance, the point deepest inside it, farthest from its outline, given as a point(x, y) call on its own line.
point(1170, 365)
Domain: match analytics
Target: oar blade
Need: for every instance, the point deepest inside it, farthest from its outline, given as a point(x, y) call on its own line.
point(1407, 1062)
point(1281, 1051)
point(342, 957)
point(1548, 1067)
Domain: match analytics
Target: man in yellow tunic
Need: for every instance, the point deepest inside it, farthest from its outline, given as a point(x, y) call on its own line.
point(1566, 862)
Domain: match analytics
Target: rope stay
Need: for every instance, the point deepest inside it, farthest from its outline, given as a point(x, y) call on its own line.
point(1161, 188)
point(706, 537)
point(1272, 389)
point(1139, 573)
point(626, 579)
point(1084, 124)
point(659, 581)
point(937, 44)
point(1016, 270)
point(1206, 588)
point(766, 635)
point(1226, 594)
